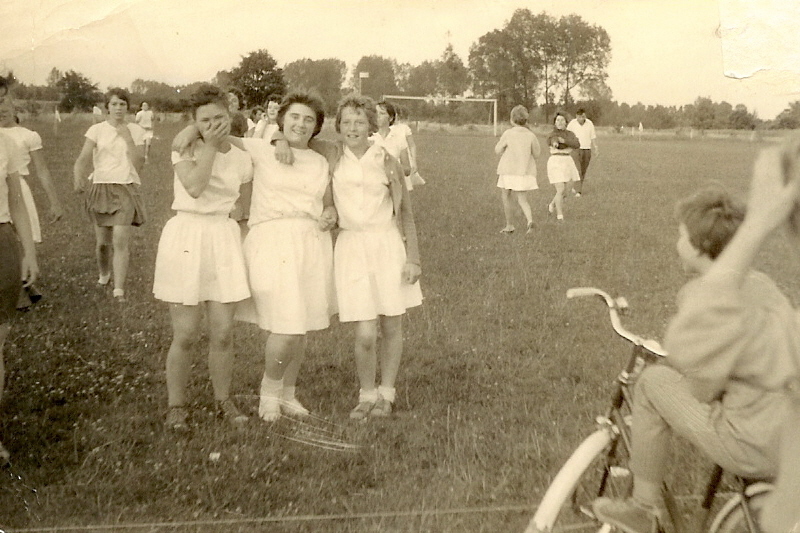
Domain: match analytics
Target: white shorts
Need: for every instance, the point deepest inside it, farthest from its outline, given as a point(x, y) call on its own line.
point(148, 135)
point(368, 268)
point(200, 259)
point(290, 269)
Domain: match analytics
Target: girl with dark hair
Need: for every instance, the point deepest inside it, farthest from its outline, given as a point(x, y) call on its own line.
point(115, 150)
point(561, 168)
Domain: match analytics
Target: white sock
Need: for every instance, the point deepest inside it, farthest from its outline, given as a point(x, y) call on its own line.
point(387, 393)
point(370, 396)
point(271, 387)
point(288, 393)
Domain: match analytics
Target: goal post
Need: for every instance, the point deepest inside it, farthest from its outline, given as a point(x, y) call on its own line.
point(446, 99)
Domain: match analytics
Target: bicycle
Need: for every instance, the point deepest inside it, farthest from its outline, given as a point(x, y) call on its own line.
point(599, 466)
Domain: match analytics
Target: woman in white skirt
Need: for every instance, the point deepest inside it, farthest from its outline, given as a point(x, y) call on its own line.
point(376, 260)
point(518, 150)
point(200, 263)
point(561, 168)
point(289, 251)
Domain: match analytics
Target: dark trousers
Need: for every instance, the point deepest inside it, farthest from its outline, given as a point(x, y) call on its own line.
point(582, 158)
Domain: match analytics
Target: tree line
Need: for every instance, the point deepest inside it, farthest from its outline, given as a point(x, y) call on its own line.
point(543, 62)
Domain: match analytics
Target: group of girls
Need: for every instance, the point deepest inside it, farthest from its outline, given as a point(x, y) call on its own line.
point(519, 152)
point(286, 276)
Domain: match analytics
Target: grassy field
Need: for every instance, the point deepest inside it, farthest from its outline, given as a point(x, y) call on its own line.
point(501, 376)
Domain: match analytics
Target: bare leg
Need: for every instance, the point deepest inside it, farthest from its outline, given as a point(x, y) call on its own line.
point(505, 197)
point(391, 348)
point(279, 352)
point(220, 347)
point(185, 331)
point(103, 250)
point(522, 200)
point(121, 237)
point(366, 353)
point(558, 200)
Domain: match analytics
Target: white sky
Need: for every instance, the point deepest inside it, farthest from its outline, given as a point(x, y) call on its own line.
point(663, 51)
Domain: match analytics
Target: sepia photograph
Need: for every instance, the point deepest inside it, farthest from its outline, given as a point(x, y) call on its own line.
point(401, 266)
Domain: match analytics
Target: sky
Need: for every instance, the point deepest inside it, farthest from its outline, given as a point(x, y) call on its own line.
point(665, 52)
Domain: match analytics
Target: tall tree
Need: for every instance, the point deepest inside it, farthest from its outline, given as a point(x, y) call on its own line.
point(789, 117)
point(495, 72)
point(53, 77)
point(380, 78)
point(323, 76)
point(703, 114)
point(453, 78)
point(584, 52)
point(79, 93)
point(257, 76)
point(741, 119)
point(423, 80)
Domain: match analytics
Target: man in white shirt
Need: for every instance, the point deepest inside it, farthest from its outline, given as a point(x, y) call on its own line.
point(583, 128)
point(144, 118)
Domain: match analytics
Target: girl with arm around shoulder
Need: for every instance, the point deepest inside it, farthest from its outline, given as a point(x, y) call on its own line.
point(114, 150)
point(518, 150)
point(376, 258)
point(200, 264)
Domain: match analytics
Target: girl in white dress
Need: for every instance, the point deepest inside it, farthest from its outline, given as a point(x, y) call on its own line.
point(376, 260)
point(288, 251)
point(200, 263)
point(394, 140)
point(115, 149)
point(518, 150)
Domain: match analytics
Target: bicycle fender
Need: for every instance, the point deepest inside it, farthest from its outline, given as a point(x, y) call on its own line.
point(567, 479)
point(753, 490)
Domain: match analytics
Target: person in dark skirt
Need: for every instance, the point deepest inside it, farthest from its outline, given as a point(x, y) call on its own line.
point(115, 150)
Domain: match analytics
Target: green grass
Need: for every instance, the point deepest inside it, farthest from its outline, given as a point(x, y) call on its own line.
point(501, 376)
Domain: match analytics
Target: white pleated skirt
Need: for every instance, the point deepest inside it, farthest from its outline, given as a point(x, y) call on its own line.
point(561, 169)
point(290, 270)
point(517, 183)
point(368, 268)
point(200, 259)
point(33, 214)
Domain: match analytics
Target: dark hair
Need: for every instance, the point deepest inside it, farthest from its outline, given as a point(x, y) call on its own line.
point(120, 93)
point(363, 103)
point(277, 98)
point(306, 99)
point(206, 94)
point(711, 217)
point(390, 110)
point(559, 114)
point(580, 111)
point(238, 94)
point(255, 111)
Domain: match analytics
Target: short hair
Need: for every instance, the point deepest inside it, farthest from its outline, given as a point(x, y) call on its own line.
point(559, 114)
point(363, 103)
point(580, 111)
point(711, 217)
point(238, 94)
point(390, 110)
point(120, 93)
point(206, 94)
point(306, 99)
point(255, 111)
point(277, 98)
point(519, 115)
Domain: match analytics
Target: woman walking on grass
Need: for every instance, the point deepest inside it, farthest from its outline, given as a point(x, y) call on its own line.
point(518, 150)
point(376, 260)
point(115, 150)
point(561, 168)
point(16, 262)
point(200, 264)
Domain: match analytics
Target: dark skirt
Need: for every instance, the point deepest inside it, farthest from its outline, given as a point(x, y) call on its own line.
point(10, 272)
point(115, 204)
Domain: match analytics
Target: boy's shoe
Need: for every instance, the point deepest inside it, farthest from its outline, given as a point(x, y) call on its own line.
point(560, 217)
point(269, 408)
point(119, 295)
point(626, 515)
point(577, 195)
point(177, 417)
point(293, 407)
point(382, 409)
point(104, 279)
point(227, 410)
point(361, 410)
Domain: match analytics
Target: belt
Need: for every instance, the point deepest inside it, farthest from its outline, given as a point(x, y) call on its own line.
point(559, 153)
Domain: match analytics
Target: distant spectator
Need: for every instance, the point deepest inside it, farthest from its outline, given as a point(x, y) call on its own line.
point(268, 125)
point(393, 140)
point(561, 168)
point(239, 122)
point(583, 128)
point(144, 118)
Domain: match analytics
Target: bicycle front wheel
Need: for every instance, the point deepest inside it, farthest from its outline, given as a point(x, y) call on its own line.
point(731, 518)
point(598, 467)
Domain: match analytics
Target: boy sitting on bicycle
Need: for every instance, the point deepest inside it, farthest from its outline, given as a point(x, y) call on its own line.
point(731, 422)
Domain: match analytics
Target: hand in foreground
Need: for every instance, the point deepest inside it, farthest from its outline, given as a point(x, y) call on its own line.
point(30, 269)
point(328, 219)
point(185, 138)
point(411, 273)
point(216, 133)
point(283, 153)
point(774, 188)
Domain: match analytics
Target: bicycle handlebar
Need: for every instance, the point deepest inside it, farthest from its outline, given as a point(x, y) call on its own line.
point(615, 307)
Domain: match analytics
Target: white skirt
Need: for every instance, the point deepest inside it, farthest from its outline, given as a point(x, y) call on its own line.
point(200, 259)
point(517, 183)
point(33, 214)
point(561, 169)
point(290, 269)
point(368, 268)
